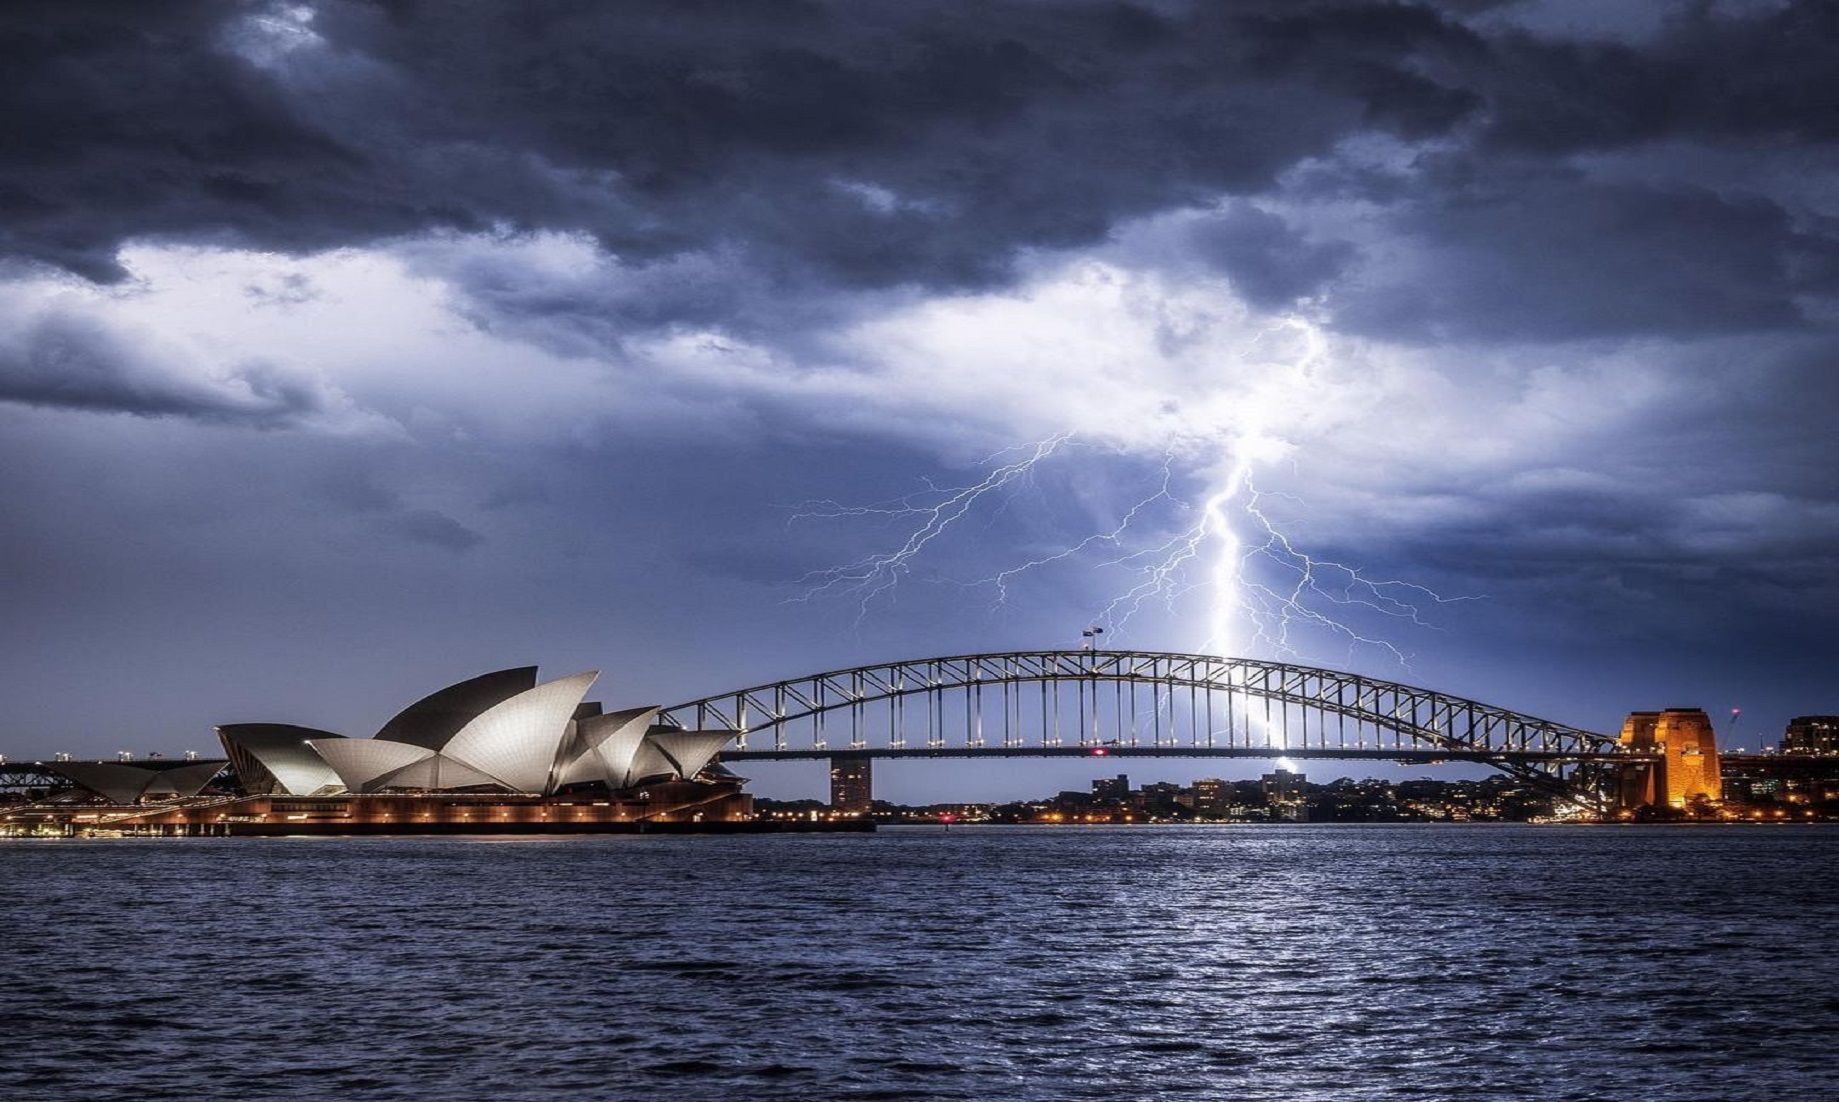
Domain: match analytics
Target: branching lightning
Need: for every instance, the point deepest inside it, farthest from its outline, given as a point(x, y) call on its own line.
point(932, 512)
point(1260, 589)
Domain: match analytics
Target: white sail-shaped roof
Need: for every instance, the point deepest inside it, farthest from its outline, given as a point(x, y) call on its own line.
point(437, 717)
point(605, 746)
point(519, 741)
point(439, 771)
point(532, 741)
point(183, 780)
point(648, 763)
point(689, 751)
point(284, 751)
point(119, 784)
point(579, 765)
point(366, 764)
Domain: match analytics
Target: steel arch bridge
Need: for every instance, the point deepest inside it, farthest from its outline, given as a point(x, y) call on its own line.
point(1141, 704)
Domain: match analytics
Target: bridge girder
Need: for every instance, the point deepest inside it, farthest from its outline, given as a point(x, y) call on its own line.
point(1541, 752)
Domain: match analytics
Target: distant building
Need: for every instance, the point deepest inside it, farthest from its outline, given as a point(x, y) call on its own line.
point(1285, 794)
point(1282, 786)
point(852, 790)
point(1115, 790)
point(1158, 798)
point(1812, 735)
point(1212, 796)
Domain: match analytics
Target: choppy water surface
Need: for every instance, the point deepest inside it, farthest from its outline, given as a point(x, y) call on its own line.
point(1245, 963)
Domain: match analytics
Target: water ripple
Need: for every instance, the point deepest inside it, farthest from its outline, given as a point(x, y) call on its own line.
point(1265, 963)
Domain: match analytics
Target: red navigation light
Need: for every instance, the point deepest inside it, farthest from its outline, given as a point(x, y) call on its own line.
point(1099, 751)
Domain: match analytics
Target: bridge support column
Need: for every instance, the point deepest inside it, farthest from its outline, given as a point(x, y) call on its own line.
point(852, 789)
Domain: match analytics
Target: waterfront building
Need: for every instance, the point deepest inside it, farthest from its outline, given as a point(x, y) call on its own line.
point(1212, 798)
point(1159, 799)
point(1283, 786)
point(1286, 794)
point(1759, 785)
point(499, 752)
point(1112, 790)
point(665, 804)
point(501, 731)
point(852, 787)
point(1812, 735)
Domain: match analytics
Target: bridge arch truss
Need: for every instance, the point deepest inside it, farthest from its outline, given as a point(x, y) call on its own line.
point(1142, 702)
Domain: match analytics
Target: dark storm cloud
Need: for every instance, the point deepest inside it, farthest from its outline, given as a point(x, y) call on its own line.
point(129, 120)
point(873, 145)
point(861, 145)
point(71, 361)
point(1643, 566)
point(807, 147)
point(1705, 515)
point(1756, 76)
point(1548, 255)
point(1270, 263)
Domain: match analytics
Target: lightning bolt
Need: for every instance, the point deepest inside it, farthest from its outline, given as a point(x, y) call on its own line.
point(1262, 590)
point(933, 512)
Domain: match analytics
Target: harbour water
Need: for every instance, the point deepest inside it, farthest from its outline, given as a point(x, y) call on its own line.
point(1254, 962)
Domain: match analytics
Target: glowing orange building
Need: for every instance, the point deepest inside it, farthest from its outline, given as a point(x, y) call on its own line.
point(1688, 767)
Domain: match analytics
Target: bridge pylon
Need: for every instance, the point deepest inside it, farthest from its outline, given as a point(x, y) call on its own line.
point(1684, 768)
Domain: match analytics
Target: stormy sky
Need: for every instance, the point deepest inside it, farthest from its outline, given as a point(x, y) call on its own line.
point(349, 348)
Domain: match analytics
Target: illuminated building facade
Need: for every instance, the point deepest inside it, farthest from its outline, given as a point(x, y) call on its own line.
point(501, 731)
point(1688, 766)
point(852, 784)
point(1112, 790)
point(1812, 735)
point(663, 805)
point(1212, 798)
point(499, 751)
point(1286, 794)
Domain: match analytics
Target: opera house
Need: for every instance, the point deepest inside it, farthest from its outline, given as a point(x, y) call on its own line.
point(500, 732)
point(497, 753)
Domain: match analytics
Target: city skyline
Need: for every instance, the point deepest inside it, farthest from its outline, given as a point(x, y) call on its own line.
point(351, 345)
